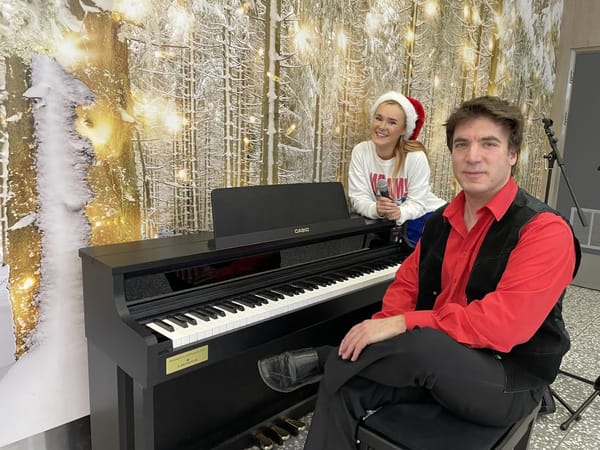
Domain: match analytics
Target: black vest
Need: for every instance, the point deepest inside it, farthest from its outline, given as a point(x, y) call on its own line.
point(535, 362)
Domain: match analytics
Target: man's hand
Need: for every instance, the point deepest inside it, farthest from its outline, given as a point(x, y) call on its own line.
point(368, 332)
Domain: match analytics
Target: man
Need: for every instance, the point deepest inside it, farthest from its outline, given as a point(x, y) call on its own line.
point(473, 318)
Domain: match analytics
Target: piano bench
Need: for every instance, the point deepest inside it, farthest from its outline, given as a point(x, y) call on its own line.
point(427, 426)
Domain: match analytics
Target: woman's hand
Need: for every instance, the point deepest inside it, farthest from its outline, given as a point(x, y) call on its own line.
point(387, 208)
point(368, 332)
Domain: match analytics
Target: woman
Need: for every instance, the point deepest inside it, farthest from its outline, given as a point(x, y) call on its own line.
point(395, 156)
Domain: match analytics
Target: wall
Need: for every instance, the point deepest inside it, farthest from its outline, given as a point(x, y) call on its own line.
point(579, 31)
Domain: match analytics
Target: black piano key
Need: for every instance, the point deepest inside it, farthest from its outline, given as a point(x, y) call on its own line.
point(236, 305)
point(256, 299)
point(304, 285)
point(164, 325)
point(188, 319)
point(213, 310)
point(200, 315)
point(333, 278)
point(227, 307)
point(285, 290)
point(176, 320)
point(269, 295)
point(354, 272)
point(336, 276)
point(309, 284)
point(364, 269)
point(279, 295)
point(245, 302)
point(321, 281)
point(296, 289)
point(210, 313)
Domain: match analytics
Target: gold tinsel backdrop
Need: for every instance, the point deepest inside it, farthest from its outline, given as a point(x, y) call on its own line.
point(191, 95)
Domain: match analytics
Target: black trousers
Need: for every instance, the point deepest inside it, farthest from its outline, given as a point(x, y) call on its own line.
point(421, 365)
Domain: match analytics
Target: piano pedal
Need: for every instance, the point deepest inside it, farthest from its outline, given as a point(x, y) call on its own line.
point(293, 426)
point(277, 433)
point(263, 442)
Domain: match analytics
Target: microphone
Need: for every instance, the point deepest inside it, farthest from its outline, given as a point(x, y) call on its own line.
point(382, 187)
point(547, 122)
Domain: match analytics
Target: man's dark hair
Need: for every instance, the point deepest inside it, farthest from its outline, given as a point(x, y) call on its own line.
point(500, 111)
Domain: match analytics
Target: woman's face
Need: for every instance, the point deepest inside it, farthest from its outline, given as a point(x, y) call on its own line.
point(388, 126)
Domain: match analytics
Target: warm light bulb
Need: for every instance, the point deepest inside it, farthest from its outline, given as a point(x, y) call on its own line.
point(372, 23)
point(68, 50)
point(410, 36)
point(133, 10)
point(180, 22)
point(302, 39)
point(431, 9)
point(96, 125)
point(243, 8)
point(290, 129)
point(173, 122)
point(27, 283)
point(182, 174)
point(468, 54)
point(342, 40)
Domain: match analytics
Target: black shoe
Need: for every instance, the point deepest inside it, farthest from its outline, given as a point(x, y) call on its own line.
point(289, 371)
point(548, 405)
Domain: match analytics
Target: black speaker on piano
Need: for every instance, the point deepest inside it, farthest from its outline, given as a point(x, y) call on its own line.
point(175, 325)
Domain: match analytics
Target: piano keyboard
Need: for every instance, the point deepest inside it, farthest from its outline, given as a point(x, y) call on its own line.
point(208, 321)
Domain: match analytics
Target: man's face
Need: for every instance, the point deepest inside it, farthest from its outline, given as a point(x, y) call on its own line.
point(481, 157)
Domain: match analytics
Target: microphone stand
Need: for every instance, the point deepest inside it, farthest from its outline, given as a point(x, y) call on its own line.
point(575, 414)
point(551, 157)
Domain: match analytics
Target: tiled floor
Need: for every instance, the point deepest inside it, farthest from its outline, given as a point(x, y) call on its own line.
point(582, 316)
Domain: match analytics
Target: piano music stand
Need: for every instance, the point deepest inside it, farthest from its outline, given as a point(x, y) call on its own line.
point(276, 206)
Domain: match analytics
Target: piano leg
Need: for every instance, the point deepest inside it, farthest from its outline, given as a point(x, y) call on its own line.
point(121, 410)
point(143, 417)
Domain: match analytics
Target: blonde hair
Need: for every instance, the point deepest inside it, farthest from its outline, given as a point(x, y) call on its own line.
point(402, 148)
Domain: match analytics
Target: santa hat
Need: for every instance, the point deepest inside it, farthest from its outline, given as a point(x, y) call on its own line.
point(413, 110)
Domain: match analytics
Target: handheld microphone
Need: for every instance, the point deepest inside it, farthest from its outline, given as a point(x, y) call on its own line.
point(547, 122)
point(382, 187)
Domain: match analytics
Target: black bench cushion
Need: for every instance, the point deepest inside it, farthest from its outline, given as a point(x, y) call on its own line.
point(428, 426)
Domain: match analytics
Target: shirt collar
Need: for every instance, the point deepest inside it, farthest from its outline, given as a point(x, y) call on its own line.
point(498, 205)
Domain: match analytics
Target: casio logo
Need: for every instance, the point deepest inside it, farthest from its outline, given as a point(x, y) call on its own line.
point(301, 230)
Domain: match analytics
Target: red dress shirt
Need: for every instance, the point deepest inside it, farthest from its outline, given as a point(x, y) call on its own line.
point(538, 270)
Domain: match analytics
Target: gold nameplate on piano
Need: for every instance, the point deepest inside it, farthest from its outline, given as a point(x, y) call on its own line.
point(186, 359)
